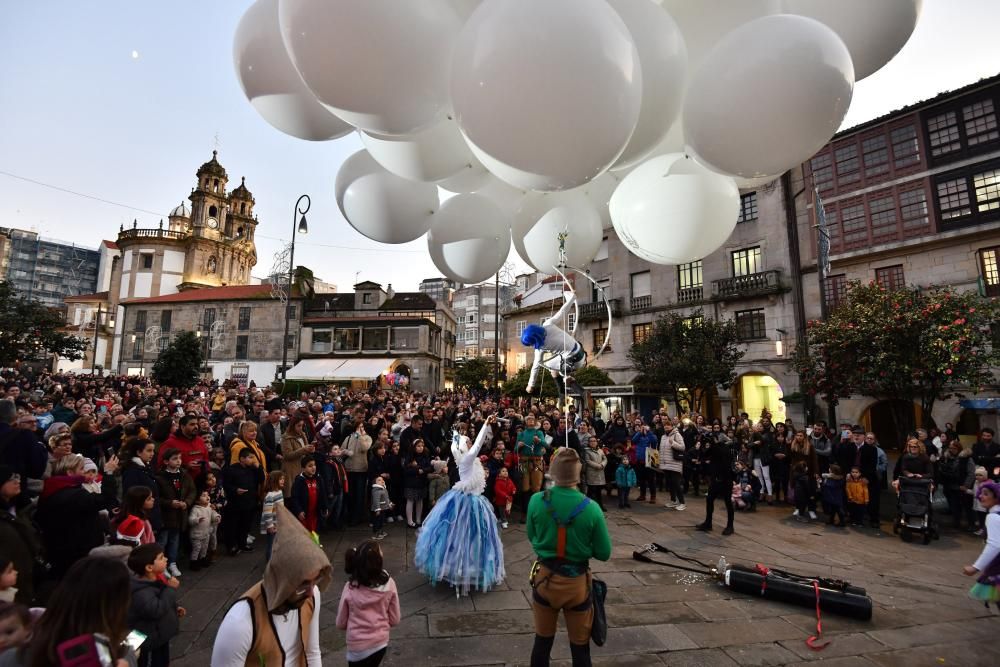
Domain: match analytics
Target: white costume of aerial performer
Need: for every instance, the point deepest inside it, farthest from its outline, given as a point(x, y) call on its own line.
point(460, 539)
point(555, 349)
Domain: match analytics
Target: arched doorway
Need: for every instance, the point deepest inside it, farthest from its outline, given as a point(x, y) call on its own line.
point(891, 419)
point(756, 392)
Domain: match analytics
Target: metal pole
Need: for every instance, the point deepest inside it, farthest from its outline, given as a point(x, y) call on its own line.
point(97, 323)
point(496, 331)
point(288, 297)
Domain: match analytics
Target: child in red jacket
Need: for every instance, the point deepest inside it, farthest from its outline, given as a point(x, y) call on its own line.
point(503, 496)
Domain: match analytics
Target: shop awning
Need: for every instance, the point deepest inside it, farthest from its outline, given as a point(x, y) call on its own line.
point(992, 403)
point(334, 370)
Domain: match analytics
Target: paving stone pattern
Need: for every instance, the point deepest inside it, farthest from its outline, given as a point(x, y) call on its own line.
point(658, 615)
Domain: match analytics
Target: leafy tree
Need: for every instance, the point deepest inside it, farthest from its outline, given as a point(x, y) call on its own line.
point(688, 358)
point(474, 372)
point(518, 384)
point(179, 364)
point(592, 376)
point(906, 344)
point(29, 330)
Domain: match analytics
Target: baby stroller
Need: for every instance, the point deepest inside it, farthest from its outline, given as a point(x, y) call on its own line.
point(913, 509)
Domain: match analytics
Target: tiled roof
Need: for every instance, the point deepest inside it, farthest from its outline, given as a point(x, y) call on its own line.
point(110, 244)
point(330, 302)
point(228, 293)
point(409, 301)
point(98, 296)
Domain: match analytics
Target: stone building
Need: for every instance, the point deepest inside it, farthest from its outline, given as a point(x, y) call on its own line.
point(439, 289)
point(207, 244)
point(478, 320)
point(911, 198)
point(358, 338)
point(241, 328)
point(46, 270)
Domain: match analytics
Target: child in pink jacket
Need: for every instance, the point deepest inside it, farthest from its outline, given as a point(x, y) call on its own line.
point(369, 605)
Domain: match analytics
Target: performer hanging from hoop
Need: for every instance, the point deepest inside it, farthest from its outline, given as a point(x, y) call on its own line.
point(566, 353)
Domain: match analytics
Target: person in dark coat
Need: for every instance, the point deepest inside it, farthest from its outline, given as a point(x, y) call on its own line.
point(986, 453)
point(137, 456)
point(416, 467)
point(240, 483)
point(309, 501)
point(719, 462)
point(69, 515)
point(20, 450)
point(177, 496)
point(19, 540)
point(153, 609)
point(90, 441)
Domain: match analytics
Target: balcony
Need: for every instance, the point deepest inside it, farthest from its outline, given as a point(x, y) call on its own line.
point(690, 295)
point(150, 234)
point(755, 284)
point(641, 302)
point(598, 311)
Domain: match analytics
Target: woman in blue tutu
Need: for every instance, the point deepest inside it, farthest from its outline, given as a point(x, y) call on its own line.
point(460, 540)
point(987, 566)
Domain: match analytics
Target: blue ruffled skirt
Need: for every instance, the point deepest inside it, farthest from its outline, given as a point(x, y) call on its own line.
point(459, 543)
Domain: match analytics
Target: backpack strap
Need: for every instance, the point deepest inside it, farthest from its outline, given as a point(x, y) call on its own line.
point(562, 526)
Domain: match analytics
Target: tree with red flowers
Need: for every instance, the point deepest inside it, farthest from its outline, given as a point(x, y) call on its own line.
point(909, 344)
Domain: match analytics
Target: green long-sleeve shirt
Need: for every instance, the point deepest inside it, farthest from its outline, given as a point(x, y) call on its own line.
point(526, 443)
point(586, 538)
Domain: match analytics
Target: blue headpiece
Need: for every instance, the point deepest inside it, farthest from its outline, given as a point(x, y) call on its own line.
point(533, 336)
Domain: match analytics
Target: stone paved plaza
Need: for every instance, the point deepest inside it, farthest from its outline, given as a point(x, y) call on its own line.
point(658, 615)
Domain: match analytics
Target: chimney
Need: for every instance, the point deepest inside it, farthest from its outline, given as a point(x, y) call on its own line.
point(389, 293)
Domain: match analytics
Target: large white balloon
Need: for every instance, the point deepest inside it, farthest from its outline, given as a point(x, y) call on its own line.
point(470, 238)
point(381, 65)
point(599, 193)
point(270, 82)
point(382, 206)
point(874, 32)
point(672, 210)
point(471, 178)
point(547, 93)
point(705, 22)
point(542, 217)
point(663, 57)
point(768, 96)
point(431, 154)
point(507, 197)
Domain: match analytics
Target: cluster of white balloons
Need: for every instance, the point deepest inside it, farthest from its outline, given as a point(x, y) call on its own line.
point(558, 118)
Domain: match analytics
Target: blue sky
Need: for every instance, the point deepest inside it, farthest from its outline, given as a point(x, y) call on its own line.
point(77, 111)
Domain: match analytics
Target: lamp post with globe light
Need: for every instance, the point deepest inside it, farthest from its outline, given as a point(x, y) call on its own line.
point(298, 224)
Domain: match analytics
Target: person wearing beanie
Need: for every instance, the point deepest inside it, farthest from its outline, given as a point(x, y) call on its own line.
point(566, 529)
point(276, 622)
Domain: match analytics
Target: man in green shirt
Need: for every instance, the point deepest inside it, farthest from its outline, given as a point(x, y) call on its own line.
point(530, 450)
point(566, 530)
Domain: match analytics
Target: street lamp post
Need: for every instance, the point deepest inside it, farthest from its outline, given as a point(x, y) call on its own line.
point(298, 224)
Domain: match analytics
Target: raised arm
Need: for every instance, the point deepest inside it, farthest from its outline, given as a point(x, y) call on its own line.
point(570, 299)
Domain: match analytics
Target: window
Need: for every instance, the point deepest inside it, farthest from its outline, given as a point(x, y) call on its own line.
point(521, 360)
point(137, 347)
point(471, 319)
point(640, 284)
point(692, 321)
point(980, 122)
point(689, 275)
point(291, 312)
point(521, 324)
point(890, 277)
point(244, 324)
point(987, 185)
point(747, 261)
point(165, 317)
point(209, 317)
point(953, 198)
point(146, 260)
point(405, 338)
point(834, 290)
point(599, 336)
point(164, 342)
point(989, 259)
point(472, 334)
point(641, 332)
point(473, 301)
point(375, 338)
point(488, 352)
point(366, 298)
point(750, 324)
point(913, 209)
point(600, 290)
point(602, 251)
point(905, 149)
point(875, 151)
point(848, 168)
point(346, 340)
point(290, 342)
point(855, 224)
point(822, 170)
point(943, 133)
point(883, 215)
point(748, 207)
point(242, 347)
point(322, 341)
point(140, 320)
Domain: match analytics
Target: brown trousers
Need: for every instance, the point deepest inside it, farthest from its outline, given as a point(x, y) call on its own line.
point(532, 474)
point(552, 593)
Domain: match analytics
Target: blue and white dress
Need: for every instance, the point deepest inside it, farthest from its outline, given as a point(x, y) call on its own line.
point(460, 540)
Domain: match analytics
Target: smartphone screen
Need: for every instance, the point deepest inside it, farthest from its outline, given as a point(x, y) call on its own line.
point(135, 639)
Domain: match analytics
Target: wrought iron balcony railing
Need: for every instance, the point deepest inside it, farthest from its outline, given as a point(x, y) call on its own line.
point(754, 284)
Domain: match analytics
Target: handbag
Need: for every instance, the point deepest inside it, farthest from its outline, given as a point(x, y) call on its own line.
point(939, 502)
point(599, 628)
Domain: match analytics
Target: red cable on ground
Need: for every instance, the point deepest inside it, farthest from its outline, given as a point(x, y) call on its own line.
point(811, 642)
